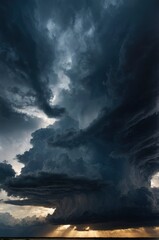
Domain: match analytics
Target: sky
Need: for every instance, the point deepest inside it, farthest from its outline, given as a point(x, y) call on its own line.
point(79, 118)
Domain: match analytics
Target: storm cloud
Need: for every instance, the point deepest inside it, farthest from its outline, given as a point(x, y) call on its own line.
point(6, 172)
point(92, 65)
point(24, 56)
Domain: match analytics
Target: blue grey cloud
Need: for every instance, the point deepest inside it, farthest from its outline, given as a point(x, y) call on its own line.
point(95, 163)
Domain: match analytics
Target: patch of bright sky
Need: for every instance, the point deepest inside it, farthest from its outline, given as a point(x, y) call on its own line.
point(15, 146)
point(155, 181)
point(21, 212)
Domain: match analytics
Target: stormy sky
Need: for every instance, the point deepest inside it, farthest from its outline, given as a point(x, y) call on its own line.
point(79, 116)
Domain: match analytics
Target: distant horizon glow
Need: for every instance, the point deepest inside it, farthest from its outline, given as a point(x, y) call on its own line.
point(129, 232)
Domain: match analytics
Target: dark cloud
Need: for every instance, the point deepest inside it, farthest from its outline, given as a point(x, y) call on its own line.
point(12, 121)
point(25, 52)
point(29, 226)
point(95, 164)
point(52, 185)
point(6, 171)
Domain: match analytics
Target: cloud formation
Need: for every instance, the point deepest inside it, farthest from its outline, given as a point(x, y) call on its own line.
point(6, 171)
point(25, 55)
point(95, 163)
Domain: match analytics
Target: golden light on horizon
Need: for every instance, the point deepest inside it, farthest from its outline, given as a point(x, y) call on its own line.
point(71, 231)
point(87, 228)
point(63, 227)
